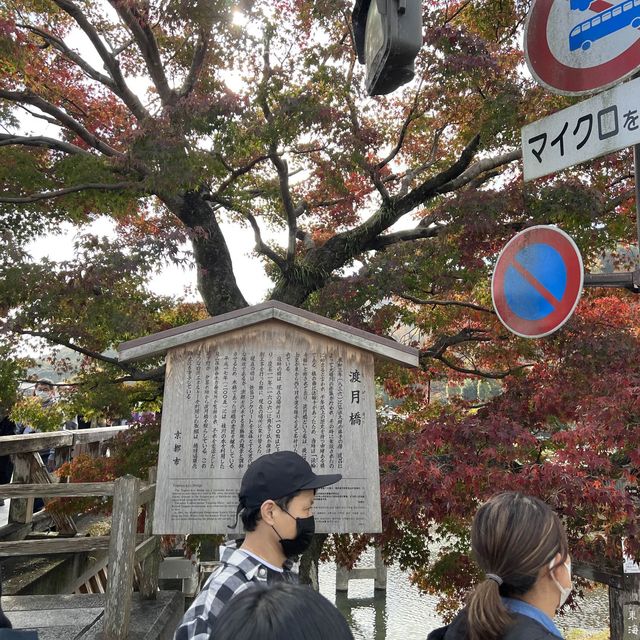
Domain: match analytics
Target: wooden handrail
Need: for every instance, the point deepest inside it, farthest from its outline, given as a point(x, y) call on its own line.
point(62, 489)
point(70, 490)
point(53, 546)
point(126, 549)
point(31, 442)
point(146, 547)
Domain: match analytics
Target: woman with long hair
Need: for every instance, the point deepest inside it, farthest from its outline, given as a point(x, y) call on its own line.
point(521, 546)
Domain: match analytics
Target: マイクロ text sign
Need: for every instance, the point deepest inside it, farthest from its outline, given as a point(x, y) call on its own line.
point(595, 127)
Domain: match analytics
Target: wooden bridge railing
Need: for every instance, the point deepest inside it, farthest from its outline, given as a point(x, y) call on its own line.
point(28, 466)
point(127, 549)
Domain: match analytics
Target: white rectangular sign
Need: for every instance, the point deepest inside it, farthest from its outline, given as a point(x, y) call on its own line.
point(595, 127)
point(629, 565)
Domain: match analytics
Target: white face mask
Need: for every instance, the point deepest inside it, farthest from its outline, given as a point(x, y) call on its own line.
point(564, 592)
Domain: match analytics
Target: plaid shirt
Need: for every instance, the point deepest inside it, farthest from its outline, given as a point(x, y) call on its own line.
point(238, 572)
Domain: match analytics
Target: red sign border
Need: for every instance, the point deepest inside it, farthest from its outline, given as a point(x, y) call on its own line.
point(570, 81)
point(563, 243)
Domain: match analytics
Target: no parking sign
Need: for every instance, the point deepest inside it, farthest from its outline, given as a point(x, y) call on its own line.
point(537, 281)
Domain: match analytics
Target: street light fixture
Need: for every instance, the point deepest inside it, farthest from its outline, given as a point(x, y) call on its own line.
point(388, 35)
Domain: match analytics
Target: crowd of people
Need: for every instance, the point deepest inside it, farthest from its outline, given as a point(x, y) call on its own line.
point(518, 542)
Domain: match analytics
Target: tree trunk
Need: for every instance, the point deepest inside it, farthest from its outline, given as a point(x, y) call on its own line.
point(216, 279)
point(310, 560)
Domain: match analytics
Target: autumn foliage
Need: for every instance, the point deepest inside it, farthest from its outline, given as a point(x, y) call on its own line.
point(187, 124)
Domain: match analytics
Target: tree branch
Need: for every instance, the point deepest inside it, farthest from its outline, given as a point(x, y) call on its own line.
point(494, 375)
point(111, 64)
point(468, 334)
point(612, 203)
point(236, 173)
point(373, 171)
point(403, 131)
point(134, 375)
point(433, 186)
point(480, 167)
point(48, 195)
point(196, 64)
point(414, 173)
point(445, 303)
point(287, 202)
point(138, 25)
point(68, 53)
point(63, 118)
point(70, 345)
point(407, 235)
point(278, 162)
point(7, 139)
point(156, 374)
point(391, 212)
point(263, 248)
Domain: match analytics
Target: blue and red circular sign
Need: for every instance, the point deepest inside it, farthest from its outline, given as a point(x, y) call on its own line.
point(537, 281)
point(575, 47)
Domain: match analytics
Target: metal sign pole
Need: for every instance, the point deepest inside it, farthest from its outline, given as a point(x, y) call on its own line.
point(636, 175)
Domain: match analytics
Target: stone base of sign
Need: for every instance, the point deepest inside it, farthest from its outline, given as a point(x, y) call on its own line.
point(377, 573)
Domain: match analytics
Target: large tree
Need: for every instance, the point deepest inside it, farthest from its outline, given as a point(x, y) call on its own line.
point(174, 118)
point(141, 125)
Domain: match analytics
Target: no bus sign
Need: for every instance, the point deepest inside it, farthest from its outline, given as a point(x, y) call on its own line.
point(576, 47)
point(537, 281)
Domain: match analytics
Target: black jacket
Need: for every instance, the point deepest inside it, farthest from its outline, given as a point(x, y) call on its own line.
point(523, 628)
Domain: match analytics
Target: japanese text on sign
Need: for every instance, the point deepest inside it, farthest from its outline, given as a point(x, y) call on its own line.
point(603, 124)
point(232, 400)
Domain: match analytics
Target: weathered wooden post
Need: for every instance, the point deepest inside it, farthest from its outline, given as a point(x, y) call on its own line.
point(151, 564)
point(21, 509)
point(122, 548)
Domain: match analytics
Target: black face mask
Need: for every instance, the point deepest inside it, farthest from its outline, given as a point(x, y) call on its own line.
point(305, 528)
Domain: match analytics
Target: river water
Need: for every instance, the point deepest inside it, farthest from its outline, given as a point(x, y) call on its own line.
point(403, 612)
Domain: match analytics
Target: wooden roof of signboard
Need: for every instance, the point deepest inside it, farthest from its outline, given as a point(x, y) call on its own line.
point(158, 343)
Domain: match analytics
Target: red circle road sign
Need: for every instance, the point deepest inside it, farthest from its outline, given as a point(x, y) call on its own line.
point(537, 281)
point(574, 47)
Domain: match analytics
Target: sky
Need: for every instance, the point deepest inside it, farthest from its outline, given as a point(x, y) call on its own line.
point(172, 280)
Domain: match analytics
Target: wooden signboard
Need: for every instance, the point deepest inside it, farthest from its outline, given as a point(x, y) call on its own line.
point(284, 382)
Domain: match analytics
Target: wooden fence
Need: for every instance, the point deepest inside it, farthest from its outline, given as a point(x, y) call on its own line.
point(128, 550)
point(28, 468)
point(129, 554)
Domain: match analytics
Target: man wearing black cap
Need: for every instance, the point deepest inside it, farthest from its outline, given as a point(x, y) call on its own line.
point(276, 509)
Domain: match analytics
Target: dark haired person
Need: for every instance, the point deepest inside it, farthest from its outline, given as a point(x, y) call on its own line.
point(276, 508)
point(281, 612)
point(521, 545)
